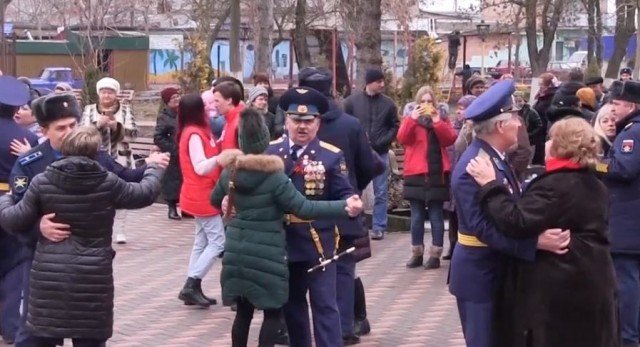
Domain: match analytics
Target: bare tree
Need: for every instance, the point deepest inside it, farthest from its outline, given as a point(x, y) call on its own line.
point(234, 41)
point(303, 56)
point(625, 27)
point(539, 16)
point(364, 17)
point(262, 38)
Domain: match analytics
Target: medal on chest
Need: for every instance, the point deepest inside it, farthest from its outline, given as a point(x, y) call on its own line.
point(314, 176)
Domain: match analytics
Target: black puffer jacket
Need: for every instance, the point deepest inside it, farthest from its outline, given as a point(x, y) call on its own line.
point(71, 289)
point(165, 138)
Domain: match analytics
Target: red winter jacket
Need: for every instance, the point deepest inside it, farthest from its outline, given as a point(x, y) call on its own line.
point(413, 137)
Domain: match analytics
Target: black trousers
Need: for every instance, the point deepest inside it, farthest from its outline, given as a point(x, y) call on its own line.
point(240, 330)
point(53, 342)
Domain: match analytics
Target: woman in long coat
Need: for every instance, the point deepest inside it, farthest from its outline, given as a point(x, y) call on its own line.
point(165, 138)
point(557, 300)
point(71, 283)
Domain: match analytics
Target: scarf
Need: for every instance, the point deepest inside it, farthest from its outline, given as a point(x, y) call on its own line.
point(555, 164)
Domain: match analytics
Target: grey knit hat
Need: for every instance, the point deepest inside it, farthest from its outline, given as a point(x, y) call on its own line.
point(255, 92)
point(253, 134)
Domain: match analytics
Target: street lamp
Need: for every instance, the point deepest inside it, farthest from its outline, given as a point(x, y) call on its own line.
point(483, 31)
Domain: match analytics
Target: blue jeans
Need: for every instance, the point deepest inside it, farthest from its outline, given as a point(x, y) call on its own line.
point(628, 275)
point(381, 192)
point(207, 245)
point(436, 219)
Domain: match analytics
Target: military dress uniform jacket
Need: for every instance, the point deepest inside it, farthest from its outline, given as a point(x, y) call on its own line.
point(623, 180)
point(479, 261)
point(335, 186)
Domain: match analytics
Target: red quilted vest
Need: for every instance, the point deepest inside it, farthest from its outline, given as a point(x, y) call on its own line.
point(196, 189)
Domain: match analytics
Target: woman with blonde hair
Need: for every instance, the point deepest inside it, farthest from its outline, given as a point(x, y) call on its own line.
point(408, 108)
point(425, 135)
point(605, 127)
point(557, 300)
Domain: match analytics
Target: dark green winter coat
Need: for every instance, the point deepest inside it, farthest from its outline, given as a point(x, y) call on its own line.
point(254, 265)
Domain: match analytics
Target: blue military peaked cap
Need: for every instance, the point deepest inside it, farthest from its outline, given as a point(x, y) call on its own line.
point(492, 102)
point(303, 103)
point(13, 92)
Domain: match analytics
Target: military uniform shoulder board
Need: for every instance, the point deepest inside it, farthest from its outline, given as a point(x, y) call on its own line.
point(628, 126)
point(483, 154)
point(277, 141)
point(602, 168)
point(330, 147)
point(30, 158)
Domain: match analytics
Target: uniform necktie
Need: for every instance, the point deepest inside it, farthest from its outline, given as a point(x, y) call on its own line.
point(294, 152)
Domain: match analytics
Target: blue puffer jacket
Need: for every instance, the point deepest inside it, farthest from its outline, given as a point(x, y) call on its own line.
point(623, 181)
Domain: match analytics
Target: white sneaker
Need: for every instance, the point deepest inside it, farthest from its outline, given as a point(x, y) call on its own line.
point(121, 239)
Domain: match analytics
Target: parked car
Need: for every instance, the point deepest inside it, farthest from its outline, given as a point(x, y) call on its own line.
point(578, 59)
point(51, 76)
point(560, 69)
point(503, 67)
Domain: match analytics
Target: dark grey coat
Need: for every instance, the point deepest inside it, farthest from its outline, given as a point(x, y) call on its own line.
point(71, 289)
point(165, 138)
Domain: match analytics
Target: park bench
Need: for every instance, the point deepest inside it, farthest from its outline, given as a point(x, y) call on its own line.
point(396, 161)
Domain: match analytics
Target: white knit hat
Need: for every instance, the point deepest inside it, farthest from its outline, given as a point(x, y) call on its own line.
point(108, 83)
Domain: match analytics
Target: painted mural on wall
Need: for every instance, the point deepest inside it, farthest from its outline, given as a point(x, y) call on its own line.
point(165, 59)
point(165, 62)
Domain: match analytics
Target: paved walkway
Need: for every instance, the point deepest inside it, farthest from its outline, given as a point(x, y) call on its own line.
point(406, 307)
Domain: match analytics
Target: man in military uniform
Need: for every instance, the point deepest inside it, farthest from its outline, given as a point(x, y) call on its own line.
point(480, 259)
point(13, 94)
point(345, 132)
point(316, 169)
point(58, 115)
point(622, 177)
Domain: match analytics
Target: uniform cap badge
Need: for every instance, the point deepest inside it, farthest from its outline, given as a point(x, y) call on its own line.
point(303, 109)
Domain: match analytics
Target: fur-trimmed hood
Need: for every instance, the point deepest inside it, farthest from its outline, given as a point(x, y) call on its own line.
point(252, 169)
point(252, 162)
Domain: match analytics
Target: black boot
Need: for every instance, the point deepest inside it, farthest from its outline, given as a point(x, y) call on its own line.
point(198, 287)
point(173, 211)
point(190, 294)
point(361, 325)
point(450, 253)
point(417, 253)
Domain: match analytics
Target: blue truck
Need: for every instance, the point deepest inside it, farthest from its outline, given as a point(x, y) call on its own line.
point(51, 76)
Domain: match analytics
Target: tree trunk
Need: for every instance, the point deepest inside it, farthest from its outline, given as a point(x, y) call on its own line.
point(591, 31)
point(598, 15)
point(303, 57)
point(212, 35)
point(364, 20)
point(263, 37)
point(625, 27)
point(636, 66)
point(234, 41)
point(551, 12)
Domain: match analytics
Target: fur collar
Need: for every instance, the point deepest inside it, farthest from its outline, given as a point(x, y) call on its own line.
point(252, 162)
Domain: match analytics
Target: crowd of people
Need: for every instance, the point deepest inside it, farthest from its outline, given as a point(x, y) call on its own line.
point(540, 201)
